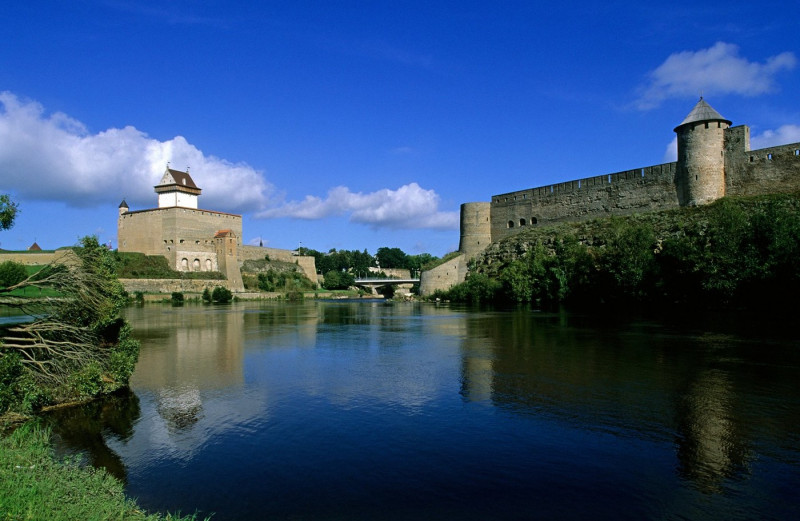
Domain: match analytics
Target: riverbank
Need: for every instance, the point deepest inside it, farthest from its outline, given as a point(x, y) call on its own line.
point(35, 486)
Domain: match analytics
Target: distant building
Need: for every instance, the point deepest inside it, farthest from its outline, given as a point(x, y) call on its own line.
point(714, 160)
point(34, 247)
point(193, 239)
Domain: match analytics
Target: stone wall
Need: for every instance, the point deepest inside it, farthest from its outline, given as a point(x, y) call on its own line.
point(306, 263)
point(167, 286)
point(176, 233)
point(40, 258)
point(631, 191)
point(444, 276)
point(764, 171)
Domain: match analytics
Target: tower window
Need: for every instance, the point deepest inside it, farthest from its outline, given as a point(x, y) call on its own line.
point(751, 159)
point(522, 222)
point(510, 224)
point(769, 157)
point(706, 124)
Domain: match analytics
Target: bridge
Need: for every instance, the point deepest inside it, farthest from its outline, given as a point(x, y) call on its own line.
point(375, 282)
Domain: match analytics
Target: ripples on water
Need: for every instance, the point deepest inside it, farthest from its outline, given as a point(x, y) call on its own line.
point(332, 410)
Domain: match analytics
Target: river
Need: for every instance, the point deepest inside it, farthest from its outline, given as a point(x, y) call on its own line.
point(349, 410)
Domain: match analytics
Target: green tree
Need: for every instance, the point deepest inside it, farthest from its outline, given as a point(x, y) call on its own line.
point(79, 346)
point(338, 280)
point(391, 258)
point(8, 212)
point(12, 273)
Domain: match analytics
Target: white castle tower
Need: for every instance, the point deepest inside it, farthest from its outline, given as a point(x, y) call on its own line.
point(177, 188)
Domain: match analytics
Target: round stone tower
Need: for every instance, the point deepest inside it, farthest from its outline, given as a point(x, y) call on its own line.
point(700, 173)
point(476, 228)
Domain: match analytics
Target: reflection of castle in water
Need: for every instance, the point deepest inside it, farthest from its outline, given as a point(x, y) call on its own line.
point(569, 374)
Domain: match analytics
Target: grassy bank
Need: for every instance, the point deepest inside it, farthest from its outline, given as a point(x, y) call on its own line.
point(34, 486)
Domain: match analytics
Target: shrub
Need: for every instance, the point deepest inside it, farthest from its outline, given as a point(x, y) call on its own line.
point(12, 273)
point(177, 298)
point(206, 296)
point(221, 295)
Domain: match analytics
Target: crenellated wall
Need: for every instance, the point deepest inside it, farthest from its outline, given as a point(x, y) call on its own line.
point(631, 191)
point(714, 160)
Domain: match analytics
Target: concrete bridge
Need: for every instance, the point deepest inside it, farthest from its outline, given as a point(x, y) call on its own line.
point(375, 282)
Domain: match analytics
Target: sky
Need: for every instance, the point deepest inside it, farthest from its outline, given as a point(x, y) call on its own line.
point(363, 124)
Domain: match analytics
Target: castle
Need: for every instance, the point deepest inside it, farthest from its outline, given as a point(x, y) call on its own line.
point(714, 160)
point(193, 239)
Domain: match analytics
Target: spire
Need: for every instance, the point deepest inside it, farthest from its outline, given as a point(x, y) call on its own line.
point(702, 112)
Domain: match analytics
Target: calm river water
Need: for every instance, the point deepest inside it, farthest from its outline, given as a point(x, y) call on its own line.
point(345, 410)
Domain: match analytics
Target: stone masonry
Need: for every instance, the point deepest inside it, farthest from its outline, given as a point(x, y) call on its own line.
point(714, 160)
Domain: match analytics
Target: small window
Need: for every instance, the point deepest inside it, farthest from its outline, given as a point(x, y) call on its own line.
point(797, 152)
point(522, 222)
point(510, 224)
point(706, 124)
point(751, 159)
point(769, 157)
point(534, 220)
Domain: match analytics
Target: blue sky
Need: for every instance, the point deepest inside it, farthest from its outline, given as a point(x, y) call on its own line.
point(355, 124)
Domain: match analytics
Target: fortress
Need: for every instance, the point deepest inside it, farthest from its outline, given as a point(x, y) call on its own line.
point(193, 239)
point(714, 160)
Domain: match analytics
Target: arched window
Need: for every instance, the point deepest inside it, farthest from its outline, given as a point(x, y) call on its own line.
point(510, 224)
point(534, 220)
point(522, 222)
point(208, 264)
point(196, 265)
point(185, 264)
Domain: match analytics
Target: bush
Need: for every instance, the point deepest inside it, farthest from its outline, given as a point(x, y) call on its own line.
point(11, 273)
point(206, 296)
point(221, 295)
point(177, 298)
point(338, 280)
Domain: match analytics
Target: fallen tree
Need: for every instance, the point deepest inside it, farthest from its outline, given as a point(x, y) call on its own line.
point(74, 345)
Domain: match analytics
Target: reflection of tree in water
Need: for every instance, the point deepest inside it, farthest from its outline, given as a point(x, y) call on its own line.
point(180, 408)
point(709, 447)
point(84, 429)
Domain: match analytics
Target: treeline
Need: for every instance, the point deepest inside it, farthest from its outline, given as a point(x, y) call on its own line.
point(359, 262)
point(735, 253)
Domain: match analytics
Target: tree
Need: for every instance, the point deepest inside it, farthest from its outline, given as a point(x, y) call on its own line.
point(76, 346)
point(391, 258)
point(8, 212)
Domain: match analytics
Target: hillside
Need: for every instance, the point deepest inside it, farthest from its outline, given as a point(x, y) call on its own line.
point(739, 251)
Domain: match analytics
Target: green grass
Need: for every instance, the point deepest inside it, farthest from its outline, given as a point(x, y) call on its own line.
point(34, 486)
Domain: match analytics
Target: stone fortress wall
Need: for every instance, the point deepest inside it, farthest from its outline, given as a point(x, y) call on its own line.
point(714, 160)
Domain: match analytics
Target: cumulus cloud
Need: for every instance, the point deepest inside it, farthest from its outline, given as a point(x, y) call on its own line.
point(769, 138)
point(54, 157)
point(716, 70)
point(410, 206)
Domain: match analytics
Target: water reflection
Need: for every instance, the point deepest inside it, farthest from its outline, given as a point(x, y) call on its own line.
point(322, 404)
point(87, 430)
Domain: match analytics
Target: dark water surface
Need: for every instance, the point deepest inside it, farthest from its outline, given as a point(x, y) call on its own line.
point(364, 410)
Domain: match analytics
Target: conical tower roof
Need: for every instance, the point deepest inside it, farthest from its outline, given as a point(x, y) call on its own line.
point(702, 112)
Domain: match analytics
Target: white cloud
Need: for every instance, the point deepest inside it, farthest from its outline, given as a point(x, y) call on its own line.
point(769, 138)
point(410, 206)
point(54, 157)
point(716, 70)
point(671, 153)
